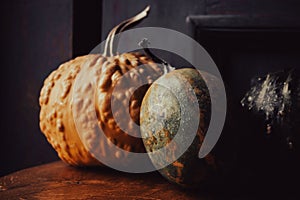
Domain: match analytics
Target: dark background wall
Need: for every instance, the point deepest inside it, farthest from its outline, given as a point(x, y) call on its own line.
point(172, 13)
point(36, 36)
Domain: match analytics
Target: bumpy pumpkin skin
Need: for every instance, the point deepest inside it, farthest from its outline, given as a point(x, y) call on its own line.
point(56, 117)
point(56, 120)
point(188, 170)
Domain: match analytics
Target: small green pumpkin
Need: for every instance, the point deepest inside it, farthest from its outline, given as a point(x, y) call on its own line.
point(160, 120)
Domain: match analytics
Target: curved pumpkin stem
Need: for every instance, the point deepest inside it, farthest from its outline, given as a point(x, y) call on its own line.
point(121, 27)
point(166, 66)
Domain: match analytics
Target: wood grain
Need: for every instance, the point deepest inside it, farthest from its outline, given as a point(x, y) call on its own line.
point(60, 181)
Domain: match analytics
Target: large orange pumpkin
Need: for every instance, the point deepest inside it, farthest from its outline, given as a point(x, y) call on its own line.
point(56, 115)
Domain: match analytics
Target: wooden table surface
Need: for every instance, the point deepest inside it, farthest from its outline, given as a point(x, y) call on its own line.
point(60, 181)
point(57, 180)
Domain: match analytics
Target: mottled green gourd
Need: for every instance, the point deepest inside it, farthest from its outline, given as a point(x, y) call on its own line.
point(160, 119)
